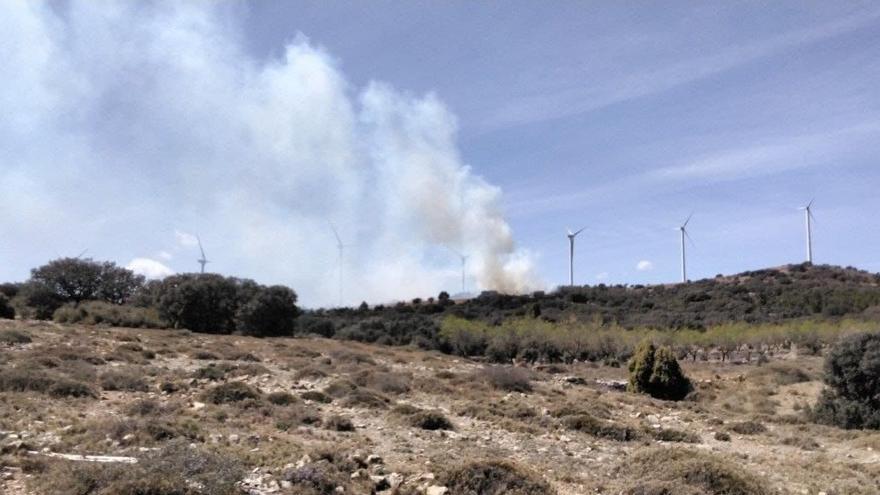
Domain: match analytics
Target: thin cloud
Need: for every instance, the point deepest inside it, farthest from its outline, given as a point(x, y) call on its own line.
point(644, 266)
point(577, 97)
point(185, 239)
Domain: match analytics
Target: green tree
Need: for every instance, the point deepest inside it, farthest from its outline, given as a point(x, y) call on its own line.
point(271, 312)
point(200, 302)
point(76, 280)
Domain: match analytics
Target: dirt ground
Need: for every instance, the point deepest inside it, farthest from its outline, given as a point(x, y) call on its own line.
point(149, 387)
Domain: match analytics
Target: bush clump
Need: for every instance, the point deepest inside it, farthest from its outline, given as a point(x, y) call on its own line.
point(600, 428)
point(176, 469)
point(231, 392)
point(316, 396)
point(508, 378)
point(281, 398)
point(656, 372)
point(123, 380)
point(668, 471)
point(104, 313)
point(6, 309)
point(430, 420)
point(852, 374)
point(495, 478)
point(14, 337)
point(338, 423)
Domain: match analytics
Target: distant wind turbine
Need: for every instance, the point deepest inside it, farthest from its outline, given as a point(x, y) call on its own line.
point(463, 258)
point(808, 219)
point(202, 261)
point(83, 253)
point(341, 247)
point(571, 235)
point(684, 233)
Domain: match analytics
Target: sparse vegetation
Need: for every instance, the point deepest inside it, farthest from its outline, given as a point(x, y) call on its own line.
point(688, 471)
point(508, 378)
point(495, 478)
point(231, 392)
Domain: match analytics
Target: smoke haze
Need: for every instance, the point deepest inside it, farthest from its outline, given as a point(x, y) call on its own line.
point(130, 129)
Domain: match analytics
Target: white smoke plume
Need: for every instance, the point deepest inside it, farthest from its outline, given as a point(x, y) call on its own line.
point(129, 125)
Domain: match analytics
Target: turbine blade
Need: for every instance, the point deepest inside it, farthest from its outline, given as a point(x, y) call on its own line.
point(335, 233)
point(686, 222)
point(199, 240)
point(689, 238)
point(579, 231)
point(810, 203)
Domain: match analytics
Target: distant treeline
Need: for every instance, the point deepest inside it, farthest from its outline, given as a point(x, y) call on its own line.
point(595, 322)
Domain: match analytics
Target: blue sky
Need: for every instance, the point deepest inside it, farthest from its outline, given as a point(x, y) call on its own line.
point(518, 119)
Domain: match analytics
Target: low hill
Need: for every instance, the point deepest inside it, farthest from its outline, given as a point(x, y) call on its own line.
point(764, 296)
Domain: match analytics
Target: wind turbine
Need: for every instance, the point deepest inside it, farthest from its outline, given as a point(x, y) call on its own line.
point(684, 233)
point(571, 236)
point(464, 259)
point(202, 261)
point(808, 218)
point(341, 247)
point(83, 253)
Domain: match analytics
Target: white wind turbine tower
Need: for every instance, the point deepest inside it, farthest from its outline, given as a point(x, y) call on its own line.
point(808, 219)
point(684, 233)
point(341, 247)
point(571, 235)
point(202, 261)
point(463, 258)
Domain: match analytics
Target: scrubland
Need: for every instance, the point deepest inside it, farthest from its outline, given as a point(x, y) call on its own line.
point(194, 413)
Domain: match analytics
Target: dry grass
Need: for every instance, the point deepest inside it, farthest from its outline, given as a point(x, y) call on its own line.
point(277, 404)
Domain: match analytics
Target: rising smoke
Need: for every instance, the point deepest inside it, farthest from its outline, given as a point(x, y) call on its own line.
point(125, 126)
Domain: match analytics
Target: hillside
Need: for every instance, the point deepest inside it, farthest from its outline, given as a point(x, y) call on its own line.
point(305, 416)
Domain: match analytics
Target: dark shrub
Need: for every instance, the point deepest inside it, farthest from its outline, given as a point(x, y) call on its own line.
point(271, 312)
point(123, 380)
point(600, 428)
point(70, 388)
point(211, 372)
point(310, 325)
point(231, 392)
point(670, 435)
point(748, 428)
point(281, 398)
point(656, 372)
point(316, 396)
point(338, 423)
point(6, 309)
point(202, 302)
point(494, 478)
point(508, 378)
point(852, 373)
point(688, 471)
point(36, 300)
point(14, 337)
point(430, 420)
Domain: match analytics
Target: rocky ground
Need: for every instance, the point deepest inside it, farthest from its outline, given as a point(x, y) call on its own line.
point(324, 416)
